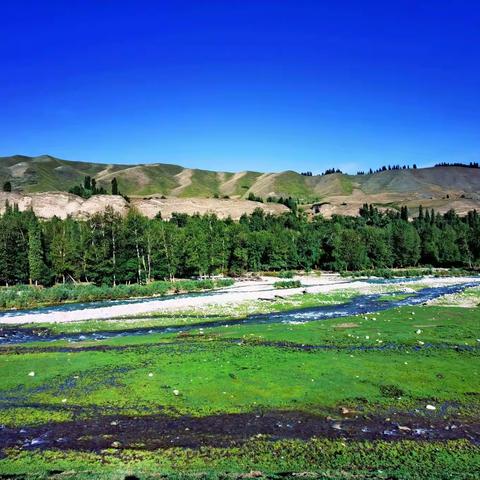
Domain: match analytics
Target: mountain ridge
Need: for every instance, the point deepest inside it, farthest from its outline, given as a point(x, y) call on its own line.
point(436, 187)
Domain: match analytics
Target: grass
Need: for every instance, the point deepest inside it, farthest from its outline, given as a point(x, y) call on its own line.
point(244, 183)
point(346, 184)
point(292, 184)
point(329, 459)
point(158, 179)
point(399, 327)
point(119, 378)
point(204, 183)
point(394, 297)
point(432, 357)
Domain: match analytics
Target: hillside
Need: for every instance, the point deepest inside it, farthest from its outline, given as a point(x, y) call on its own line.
point(61, 205)
point(438, 187)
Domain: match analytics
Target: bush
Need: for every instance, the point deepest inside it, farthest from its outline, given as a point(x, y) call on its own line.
point(285, 274)
point(390, 273)
point(288, 284)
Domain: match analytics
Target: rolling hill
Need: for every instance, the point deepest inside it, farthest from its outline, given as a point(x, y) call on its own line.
point(437, 187)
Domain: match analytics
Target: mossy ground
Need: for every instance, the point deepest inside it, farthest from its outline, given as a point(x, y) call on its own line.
point(396, 361)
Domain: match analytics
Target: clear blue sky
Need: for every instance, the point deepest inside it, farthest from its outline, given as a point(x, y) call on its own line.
point(234, 85)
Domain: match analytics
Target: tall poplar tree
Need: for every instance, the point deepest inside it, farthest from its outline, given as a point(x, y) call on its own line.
point(36, 262)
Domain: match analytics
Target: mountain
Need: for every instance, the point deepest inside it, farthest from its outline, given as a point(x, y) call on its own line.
point(436, 187)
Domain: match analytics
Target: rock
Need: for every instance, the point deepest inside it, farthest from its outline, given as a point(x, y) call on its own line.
point(418, 332)
point(252, 474)
point(431, 407)
point(176, 392)
point(116, 444)
point(31, 374)
point(404, 429)
point(150, 374)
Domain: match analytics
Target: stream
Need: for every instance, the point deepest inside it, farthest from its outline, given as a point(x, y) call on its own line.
point(359, 305)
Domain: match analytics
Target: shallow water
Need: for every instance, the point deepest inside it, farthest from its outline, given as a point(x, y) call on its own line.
point(357, 306)
point(75, 306)
point(70, 307)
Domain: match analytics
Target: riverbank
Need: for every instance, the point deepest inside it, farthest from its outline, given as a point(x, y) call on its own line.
point(293, 310)
point(241, 292)
point(25, 297)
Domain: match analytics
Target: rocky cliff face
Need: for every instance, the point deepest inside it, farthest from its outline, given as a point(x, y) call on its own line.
point(59, 204)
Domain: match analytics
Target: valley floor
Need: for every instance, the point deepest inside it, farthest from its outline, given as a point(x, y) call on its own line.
point(261, 289)
point(390, 391)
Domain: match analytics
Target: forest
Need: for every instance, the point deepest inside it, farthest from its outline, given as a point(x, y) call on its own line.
point(108, 249)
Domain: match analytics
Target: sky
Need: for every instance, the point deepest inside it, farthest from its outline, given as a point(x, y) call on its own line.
point(242, 85)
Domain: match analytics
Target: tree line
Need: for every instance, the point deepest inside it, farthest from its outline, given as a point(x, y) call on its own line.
point(108, 249)
point(89, 188)
point(458, 164)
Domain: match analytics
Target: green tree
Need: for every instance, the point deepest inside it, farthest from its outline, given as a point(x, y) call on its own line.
point(349, 250)
point(114, 186)
point(36, 264)
point(377, 243)
point(405, 244)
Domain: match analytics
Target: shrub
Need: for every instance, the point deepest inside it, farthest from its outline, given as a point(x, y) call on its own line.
point(285, 274)
point(288, 284)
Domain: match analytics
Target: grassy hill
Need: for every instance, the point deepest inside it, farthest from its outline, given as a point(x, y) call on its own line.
point(437, 186)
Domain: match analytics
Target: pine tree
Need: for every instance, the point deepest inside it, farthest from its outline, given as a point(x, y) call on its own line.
point(114, 186)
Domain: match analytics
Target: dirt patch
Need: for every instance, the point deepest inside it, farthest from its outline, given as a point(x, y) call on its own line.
point(61, 205)
point(346, 325)
point(462, 300)
point(222, 208)
point(184, 179)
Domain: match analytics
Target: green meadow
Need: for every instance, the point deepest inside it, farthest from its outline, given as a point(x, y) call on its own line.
point(409, 367)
